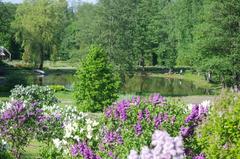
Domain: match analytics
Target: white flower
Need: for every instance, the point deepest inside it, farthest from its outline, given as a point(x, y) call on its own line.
point(65, 152)
point(64, 142)
point(190, 106)
point(76, 138)
point(57, 143)
point(81, 130)
point(206, 103)
point(89, 121)
point(70, 128)
point(89, 135)
point(94, 123)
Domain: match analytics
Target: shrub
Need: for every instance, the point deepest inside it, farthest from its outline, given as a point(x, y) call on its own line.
point(76, 127)
point(219, 136)
point(130, 124)
point(43, 95)
point(18, 124)
point(96, 82)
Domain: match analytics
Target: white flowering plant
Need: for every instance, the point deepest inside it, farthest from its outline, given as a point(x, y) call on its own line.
point(75, 126)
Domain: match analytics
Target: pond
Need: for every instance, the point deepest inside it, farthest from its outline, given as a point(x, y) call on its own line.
point(137, 85)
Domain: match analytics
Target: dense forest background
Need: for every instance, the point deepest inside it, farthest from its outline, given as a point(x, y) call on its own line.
point(202, 34)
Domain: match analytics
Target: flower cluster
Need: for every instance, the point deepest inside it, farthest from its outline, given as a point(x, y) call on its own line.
point(131, 123)
point(43, 95)
point(198, 112)
point(82, 149)
point(19, 123)
point(164, 147)
point(75, 125)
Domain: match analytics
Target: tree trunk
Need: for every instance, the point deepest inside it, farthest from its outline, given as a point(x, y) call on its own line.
point(41, 58)
point(142, 63)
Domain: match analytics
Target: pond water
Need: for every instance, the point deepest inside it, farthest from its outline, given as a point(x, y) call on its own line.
point(137, 85)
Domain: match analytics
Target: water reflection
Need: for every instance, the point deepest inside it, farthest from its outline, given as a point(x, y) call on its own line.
point(139, 85)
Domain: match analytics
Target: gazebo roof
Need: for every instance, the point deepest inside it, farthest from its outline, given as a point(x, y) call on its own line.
point(2, 54)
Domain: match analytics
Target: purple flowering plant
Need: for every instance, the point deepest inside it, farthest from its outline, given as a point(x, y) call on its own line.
point(18, 124)
point(129, 124)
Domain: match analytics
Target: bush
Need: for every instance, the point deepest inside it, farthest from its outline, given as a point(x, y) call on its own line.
point(43, 95)
point(219, 136)
point(96, 82)
point(19, 122)
point(130, 124)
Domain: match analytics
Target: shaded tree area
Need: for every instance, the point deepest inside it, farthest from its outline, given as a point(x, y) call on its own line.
point(7, 40)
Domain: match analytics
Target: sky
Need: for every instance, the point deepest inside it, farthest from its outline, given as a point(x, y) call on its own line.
point(19, 1)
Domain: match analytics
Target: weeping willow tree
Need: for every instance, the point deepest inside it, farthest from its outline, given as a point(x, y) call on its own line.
point(39, 26)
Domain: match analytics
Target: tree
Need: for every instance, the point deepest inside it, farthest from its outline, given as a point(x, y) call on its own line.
point(96, 84)
point(39, 26)
point(186, 14)
point(217, 41)
point(117, 29)
point(82, 32)
point(7, 40)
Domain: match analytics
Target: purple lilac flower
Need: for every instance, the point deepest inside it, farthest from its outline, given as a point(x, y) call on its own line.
point(82, 149)
point(7, 115)
point(165, 117)
point(186, 131)
point(110, 154)
point(156, 99)
point(74, 150)
point(200, 156)
point(101, 147)
point(147, 115)
point(119, 139)
point(138, 129)
point(110, 137)
point(136, 100)
point(140, 116)
point(121, 109)
point(197, 114)
point(173, 119)
point(193, 115)
point(108, 112)
point(158, 120)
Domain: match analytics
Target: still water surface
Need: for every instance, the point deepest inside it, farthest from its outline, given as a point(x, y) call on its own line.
point(137, 85)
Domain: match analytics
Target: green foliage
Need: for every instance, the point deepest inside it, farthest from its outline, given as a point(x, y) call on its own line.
point(42, 95)
point(219, 136)
point(117, 32)
point(81, 32)
point(96, 83)
point(216, 41)
point(50, 152)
